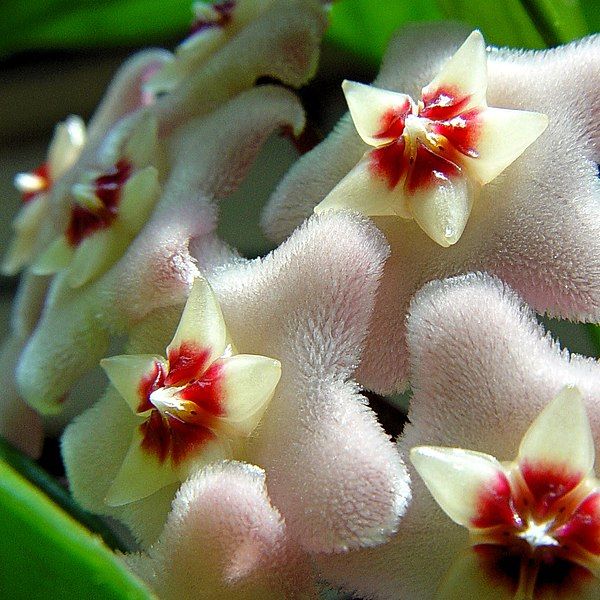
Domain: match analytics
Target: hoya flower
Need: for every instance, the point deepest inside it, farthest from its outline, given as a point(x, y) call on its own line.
point(431, 155)
point(331, 472)
point(234, 44)
point(225, 511)
point(69, 138)
point(547, 199)
point(213, 26)
point(194, 407)
point(108, 208)
point(534, 523)
point(488, 380)
point(209, 159)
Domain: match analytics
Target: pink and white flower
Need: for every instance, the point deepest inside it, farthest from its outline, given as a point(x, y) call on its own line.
point(536, 225)
point(194, 407)
point(482, 371)
point(431, 156)
point(331, 472)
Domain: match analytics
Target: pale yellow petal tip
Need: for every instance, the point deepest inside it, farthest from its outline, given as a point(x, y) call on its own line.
point(54, 259)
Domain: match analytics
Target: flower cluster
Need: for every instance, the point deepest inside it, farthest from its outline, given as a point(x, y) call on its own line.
point(234, 425)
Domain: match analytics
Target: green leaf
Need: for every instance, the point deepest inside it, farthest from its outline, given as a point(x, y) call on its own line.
point(364, 27)
point(46, 554)
point(37, 476)
point(595, 335)
point(521, 23)
point(42, 24)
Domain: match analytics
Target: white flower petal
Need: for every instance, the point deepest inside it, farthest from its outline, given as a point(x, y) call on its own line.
point(201, 325)
point(464, 75)
point(365, 192)
point(470, 487)
point(375, 110)
point(558, 444)
point(96, 253)
point(66, 145)
point(138, 198)
point(128, 373)
point(56, 257)
point(442, 207)
point(248, 383)
point(503, 135)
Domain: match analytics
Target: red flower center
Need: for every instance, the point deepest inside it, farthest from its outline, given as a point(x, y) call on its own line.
point(185, 401)
point(107, 188)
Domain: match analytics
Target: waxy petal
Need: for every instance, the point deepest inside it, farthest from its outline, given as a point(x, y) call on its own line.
point(26, 225)
point(363, 192)
point(471, 487)
point(557, 451)
point(202, 327)
point(464, 76)
point(442, 207)
point(133, 376)
point(545, 199)
point(248, 383)
point(225, 511)
point(93, 467)
point(502, 136)
point(483, 369)
point(66, 145)
point(56, 257)
point(138, 198)
point(140, 475)
point(96, 254)
point(473, 576)
point(377, 114)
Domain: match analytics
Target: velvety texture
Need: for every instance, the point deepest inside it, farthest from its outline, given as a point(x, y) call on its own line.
point(482, 370)
point(537, 225)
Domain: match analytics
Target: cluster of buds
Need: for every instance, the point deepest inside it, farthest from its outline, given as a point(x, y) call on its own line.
point(233, 438)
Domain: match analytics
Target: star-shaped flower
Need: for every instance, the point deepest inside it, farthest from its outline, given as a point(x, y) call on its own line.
point(331, 471)
point(534, 521)
point(65, 147)
point(431, 156)
point(109, 206)
point(537, 225)
point(213, 26)
point(483, 370)
point(208, 161)
point(194, 407)
point(235, 43)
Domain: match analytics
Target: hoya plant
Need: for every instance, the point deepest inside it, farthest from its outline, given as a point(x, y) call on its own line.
point(228, 423)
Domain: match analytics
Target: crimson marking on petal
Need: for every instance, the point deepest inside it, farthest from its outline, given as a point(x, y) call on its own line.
point(389, 162)
point(443, 104)
point(150, 383)
point(207, 392)
point(583, 528)
point(43, 172)
point(186, 438)
point(559, 578)
point(495, 505)
point(548, 483)
point(429, 170)
point(224, 9)
point(186, 363)
point(501, 565)
point(392, 121)
point(156, 436)
point(167, 436)
point(461, 131)
point(107, 188)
